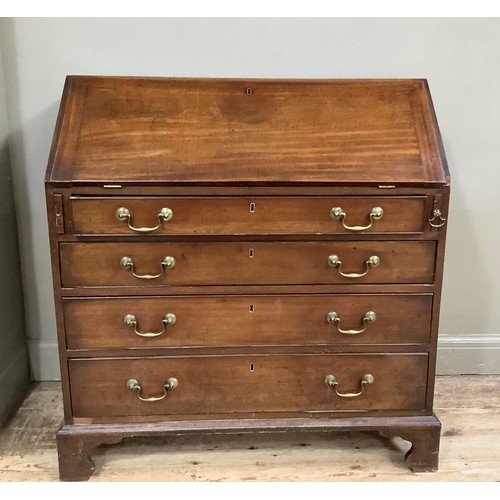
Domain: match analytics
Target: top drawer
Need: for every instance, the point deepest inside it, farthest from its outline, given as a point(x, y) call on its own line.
point(247, 215)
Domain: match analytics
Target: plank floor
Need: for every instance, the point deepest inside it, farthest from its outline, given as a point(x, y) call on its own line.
point(468, 406)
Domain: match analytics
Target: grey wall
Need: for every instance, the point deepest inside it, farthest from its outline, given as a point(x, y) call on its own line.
point(14, 373)
point(460, 58)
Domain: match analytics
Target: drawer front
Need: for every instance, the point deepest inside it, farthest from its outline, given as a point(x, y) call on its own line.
point(258, 215)
point(247, 384)
point(288, 263)
point(246, 320)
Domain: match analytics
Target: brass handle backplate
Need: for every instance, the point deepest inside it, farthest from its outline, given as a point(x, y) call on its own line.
point(334, 261)
point(437, 215)
point(333, 317)
point(123, 214)
point(128, 264)
point(337, 213)
point(169, 385)
point(331, 381)
point(168, 319)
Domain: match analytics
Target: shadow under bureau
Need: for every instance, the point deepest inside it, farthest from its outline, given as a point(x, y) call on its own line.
point(246, 256)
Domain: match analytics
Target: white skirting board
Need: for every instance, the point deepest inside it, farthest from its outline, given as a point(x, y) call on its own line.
point(469, 355)
point(44, 360)
point(464, 355)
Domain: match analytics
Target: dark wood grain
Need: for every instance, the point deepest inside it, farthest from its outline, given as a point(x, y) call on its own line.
point(423, 456)
point(247, 215)
point(444, 197)
point(98, 264)
point(210, 130)
point(52, 218)
point(247, 321)
point(232, 384)
point(92, 189)
point(250, 288)
point(77, 442)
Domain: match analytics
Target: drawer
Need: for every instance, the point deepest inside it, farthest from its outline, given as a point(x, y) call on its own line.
point(246, 384)
point(246, 215)
point(252, 263)
point(140, 322)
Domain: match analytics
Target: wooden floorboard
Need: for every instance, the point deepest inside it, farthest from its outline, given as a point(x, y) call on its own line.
point(468, 406)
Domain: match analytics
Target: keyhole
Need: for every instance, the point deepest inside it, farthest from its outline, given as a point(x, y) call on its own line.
point(250, 308)
point(252, 367)
point(252, 207)
point(251, 253)
point(249, 91)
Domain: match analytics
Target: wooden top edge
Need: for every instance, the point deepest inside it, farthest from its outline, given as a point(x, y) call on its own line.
point(246, 184)
point(57, 130)
point(346, 81)
point(437, 131)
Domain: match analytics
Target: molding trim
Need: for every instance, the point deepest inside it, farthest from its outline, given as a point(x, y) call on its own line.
point(468, 355)
point(457, 355)
point(44, 360)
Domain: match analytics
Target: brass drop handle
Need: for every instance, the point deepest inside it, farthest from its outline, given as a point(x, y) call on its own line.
point(128, 264)
point(337, 213)
point(333, 317)
point(168, 319)
point(169, 385)
point(334, 261)
point(123, 214)
point(331, 381)
point(437, 215)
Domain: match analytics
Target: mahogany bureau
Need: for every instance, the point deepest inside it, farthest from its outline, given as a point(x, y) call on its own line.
point(246, 256)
